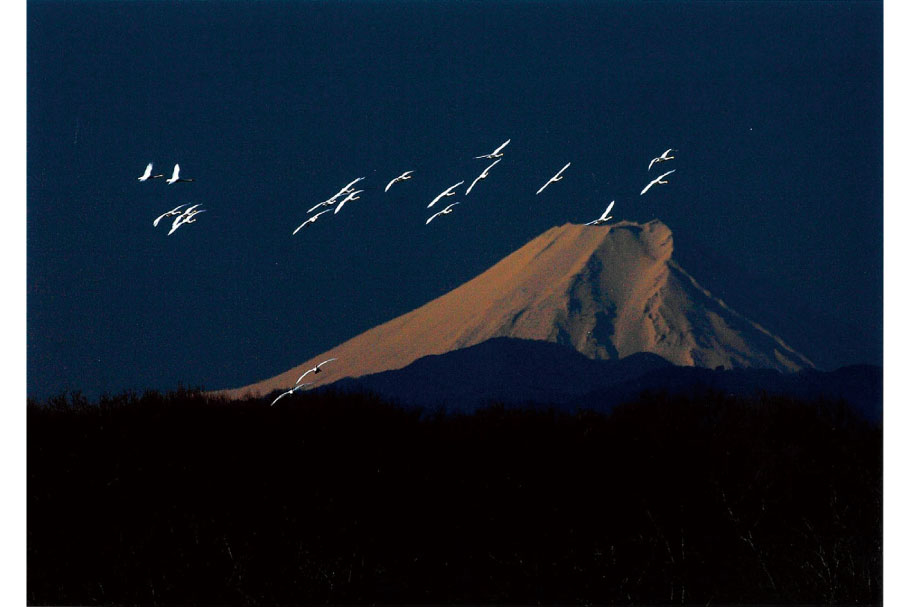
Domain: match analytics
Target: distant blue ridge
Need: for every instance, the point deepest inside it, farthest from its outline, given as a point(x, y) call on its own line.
point(518, 372)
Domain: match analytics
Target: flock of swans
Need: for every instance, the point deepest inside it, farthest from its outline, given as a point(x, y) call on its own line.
point(183, 217)
point(349, 194)
point(496, 155)
point(660, 180)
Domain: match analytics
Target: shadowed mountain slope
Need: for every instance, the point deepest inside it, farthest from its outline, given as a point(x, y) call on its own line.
point(503, 370)
point(859, 386)
point(606, 291)
point(523, 372)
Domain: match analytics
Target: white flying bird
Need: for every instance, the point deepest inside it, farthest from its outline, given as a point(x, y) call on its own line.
point(186, 217)
point(310, 220)
point(655, 182)
point(403, 177)
point(315, 369)
point(351, 196)
point(445, 211)
point(348, 188)
point(663, 157)
point(171, 213)
point(291, 391)
point(176, 176)
point(603, 218)
point(484, 175)
point(148, 173)
point(448, 192)
point(326, 203)
point(329, 202)
point(554, 178)
point(497, 153)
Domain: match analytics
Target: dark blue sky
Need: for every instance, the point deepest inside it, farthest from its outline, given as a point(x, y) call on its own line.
point(776, 204)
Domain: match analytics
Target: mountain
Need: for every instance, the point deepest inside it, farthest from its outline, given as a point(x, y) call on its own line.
point(523, 372)
point(606, 291)
point(860, 386)
point(502, 369)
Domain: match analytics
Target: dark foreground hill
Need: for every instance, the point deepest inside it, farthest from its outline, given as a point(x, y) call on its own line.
point(345, 499)
point(511, 371)
point(858, 386)
point(502, 370)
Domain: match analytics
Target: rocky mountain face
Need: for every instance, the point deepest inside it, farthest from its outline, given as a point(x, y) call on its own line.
point(606, 291)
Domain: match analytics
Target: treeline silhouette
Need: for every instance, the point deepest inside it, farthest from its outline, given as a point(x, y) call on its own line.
point(180, 498)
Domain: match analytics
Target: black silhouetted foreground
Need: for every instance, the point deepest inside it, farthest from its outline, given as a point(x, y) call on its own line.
point(341, 498)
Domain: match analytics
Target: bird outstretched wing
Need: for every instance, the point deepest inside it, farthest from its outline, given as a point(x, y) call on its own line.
point(177, 223)
point(473, 183)
point(168, 214)
point(442, 212)
point(280, 396)
point(446, 192)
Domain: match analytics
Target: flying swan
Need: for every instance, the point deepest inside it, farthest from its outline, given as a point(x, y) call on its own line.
point(554, 178)
point(484, 175)
point(291, 391)
point(662, 158)
point(445, 211)
point(315, 369)
point(655, 182)
point(448, 192)
point(186, 217)
point(603, 218)
point(310, 220)
point(497, 153)
point(403, 177)
point(171, 213)
point(148, 173)
point(351, 196)
point(176, 176)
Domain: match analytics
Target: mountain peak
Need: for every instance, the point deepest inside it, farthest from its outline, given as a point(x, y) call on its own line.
point(652, 238)
point(607, 291)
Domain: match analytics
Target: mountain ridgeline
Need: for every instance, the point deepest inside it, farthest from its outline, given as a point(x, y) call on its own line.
point(526, 373)
point(607, 292)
